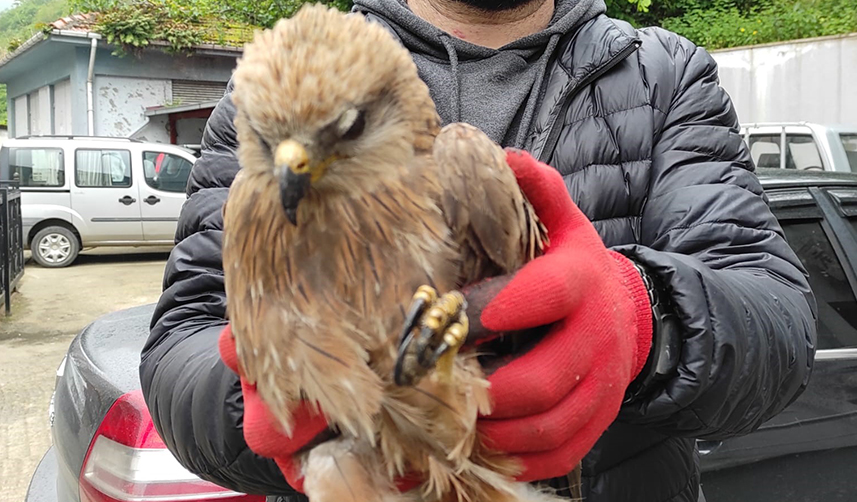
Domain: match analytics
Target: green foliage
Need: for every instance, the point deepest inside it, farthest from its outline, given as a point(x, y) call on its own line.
point(3, 104)
point(13, 44)
point(19, 23)
point(133, 26)
point(260, 13)
point(717, 24)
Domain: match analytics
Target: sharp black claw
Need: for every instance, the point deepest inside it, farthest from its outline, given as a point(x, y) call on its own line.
point(406, 337)
point(435, 355)
point(398, 373)
point(417, 308)
point(423, 340)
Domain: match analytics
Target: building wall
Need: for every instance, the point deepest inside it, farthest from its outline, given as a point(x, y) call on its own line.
point(121, 103)
point(156, 130)
point(809, 80)
point(52, 63)
point(54, 75)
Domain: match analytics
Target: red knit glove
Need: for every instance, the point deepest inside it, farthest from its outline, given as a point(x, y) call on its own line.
point(552, 403)
point(265, 438)
point(261, 432)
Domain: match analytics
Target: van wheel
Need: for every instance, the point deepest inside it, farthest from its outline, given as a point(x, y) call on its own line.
point(55, 247)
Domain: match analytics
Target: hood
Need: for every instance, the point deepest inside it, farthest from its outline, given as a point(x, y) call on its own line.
point(465, 79)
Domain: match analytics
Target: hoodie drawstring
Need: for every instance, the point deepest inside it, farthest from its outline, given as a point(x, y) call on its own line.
point(533, 100)
point(453, 62)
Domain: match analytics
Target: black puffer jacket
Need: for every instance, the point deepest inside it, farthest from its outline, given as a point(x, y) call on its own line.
point(649, 147)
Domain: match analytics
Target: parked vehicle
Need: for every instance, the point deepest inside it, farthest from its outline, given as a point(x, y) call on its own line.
point(81, 192)
point(807, 452)
point(810, 147)
point(105, 447)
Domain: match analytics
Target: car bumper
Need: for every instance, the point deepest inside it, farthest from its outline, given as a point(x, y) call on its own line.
point(43, 485)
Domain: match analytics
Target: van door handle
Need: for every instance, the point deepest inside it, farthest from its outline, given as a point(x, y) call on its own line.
point(127, 200)
point(151, 200)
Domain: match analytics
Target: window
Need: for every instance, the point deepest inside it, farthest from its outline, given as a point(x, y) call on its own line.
point(849, 141)
point(165, 171)
point(802, 153)
point(37, 167)
point(837, 307)
point(765, 150)
point(103, 168)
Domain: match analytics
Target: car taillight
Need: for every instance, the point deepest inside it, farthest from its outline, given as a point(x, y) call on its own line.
point(127, 461)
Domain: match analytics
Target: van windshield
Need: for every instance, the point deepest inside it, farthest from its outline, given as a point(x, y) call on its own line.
point(849, 142)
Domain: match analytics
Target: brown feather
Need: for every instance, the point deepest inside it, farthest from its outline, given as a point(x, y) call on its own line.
point(315, 308)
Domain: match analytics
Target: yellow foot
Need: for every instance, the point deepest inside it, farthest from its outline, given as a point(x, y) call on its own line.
point(434, 330)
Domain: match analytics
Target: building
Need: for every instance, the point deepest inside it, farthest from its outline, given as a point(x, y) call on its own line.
point(66, 81)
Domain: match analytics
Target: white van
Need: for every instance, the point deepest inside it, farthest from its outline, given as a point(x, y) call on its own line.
point(808, 146)
point(81, 192)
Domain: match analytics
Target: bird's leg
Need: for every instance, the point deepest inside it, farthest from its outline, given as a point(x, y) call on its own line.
point(434, 330)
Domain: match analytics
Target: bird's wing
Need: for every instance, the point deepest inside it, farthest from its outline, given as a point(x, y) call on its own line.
point(483, 204)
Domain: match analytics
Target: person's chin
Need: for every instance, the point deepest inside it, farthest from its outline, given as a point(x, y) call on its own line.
point(494, 5)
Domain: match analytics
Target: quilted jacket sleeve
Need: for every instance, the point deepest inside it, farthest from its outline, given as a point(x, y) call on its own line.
point(195, 400)
point(744, 303)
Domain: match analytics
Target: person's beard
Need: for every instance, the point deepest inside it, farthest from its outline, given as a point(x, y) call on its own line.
point(494, 5)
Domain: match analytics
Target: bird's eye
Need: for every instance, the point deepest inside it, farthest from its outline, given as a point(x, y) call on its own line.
point(352, 124)
point(259, 135)
point(264, 143)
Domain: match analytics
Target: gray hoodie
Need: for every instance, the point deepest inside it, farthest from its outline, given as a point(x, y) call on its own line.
point(496, 90)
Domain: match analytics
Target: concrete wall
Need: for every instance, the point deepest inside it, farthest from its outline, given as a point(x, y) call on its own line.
point(810, 80)
point(121, 102)
point(124, 88)
point(156, 130)
point(51, 63)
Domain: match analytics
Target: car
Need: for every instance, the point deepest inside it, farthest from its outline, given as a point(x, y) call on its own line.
point(807, 452)
point(105, 447)
point(808, 146)
point(83, 192)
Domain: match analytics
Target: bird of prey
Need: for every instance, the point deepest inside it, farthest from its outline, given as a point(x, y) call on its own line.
point(350, 199)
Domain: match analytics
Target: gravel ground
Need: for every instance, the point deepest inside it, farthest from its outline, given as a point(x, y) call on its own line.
point(49, 309)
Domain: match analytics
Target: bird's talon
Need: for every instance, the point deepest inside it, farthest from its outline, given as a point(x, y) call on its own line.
point(442, 330)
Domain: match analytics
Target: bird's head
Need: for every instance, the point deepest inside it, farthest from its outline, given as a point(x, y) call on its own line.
point(329, 104)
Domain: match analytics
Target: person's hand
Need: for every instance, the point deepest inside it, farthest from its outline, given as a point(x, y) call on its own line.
point(260, 430)
point(553, 402)
point(265, 438)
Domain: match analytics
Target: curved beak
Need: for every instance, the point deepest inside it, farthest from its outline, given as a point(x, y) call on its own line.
point(293, 172)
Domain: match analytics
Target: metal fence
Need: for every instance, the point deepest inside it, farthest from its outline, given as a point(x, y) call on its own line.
point(11, 242)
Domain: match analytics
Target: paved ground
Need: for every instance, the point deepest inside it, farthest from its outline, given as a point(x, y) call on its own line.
point(51, 307)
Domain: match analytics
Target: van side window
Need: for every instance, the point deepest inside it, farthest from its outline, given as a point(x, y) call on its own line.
point(165, 171)
point(103, 168)
point(37, 167)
